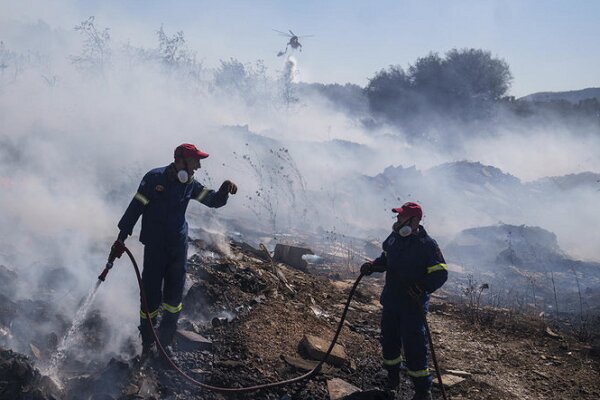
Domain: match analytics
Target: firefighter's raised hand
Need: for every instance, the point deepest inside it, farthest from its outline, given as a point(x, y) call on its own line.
point(228, 187)
point(117, 249)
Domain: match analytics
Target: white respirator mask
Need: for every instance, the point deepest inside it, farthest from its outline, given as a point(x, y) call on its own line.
point(183, 176)
point(405, 231)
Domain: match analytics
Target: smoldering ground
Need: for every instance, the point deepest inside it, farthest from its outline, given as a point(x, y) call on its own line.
point(82, 121)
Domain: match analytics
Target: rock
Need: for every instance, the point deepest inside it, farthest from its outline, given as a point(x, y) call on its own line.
point(457, 372)
point(191, 341)
point(291, 255)
point(35, 351)
point(449, 380)
point(339, 389)
point(306, 365)
point(551, 333)
point(316, 348)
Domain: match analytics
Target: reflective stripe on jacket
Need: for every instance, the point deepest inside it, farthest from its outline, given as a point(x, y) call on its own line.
point(415, 259)
point(162, 201)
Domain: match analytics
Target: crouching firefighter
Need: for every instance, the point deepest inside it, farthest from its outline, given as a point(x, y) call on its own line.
point(162, 199)
point(414, 268)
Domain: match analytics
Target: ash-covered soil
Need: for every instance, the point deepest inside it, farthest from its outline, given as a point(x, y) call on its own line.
point(256, 313)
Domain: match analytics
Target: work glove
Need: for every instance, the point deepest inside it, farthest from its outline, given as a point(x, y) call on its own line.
point(368, 268)
point(228, 187)
point(415, 291)
point(117, 249)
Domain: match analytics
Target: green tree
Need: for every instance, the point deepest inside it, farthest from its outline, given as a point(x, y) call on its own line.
point(389, 92)
point(464, 83)
point(475, 74)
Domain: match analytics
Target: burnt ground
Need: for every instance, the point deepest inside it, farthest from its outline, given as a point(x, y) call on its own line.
point(266, 310)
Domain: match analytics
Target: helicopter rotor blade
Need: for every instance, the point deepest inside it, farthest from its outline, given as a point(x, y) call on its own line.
point(282, 33)
point(303, 36)
point(293, 34)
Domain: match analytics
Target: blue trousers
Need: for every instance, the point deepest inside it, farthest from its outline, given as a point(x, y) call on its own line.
point(403, 328)
point(163, 279)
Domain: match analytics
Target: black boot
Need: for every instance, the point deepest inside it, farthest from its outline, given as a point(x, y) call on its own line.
point(422, 395)
point(166, 332)
point(148, 346)
point(148, 350)
point(393, 378)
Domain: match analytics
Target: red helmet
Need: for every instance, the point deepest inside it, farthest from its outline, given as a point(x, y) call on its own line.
point(187, 150)
point(409, 209)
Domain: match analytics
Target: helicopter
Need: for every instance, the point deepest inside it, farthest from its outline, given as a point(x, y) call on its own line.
point(294, 41)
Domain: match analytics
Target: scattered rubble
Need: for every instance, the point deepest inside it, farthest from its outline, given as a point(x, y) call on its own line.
point(248, 320)
point(20, 380)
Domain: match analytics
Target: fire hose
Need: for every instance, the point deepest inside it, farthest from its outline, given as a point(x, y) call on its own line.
point(433, 357)
point(164, 354)
point(270, 385)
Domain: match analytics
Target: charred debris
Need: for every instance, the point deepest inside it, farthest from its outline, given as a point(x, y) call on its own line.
point(253, 316)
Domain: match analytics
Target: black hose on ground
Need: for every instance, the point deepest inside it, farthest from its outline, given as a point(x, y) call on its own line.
point(307, 375)
point(433, 357)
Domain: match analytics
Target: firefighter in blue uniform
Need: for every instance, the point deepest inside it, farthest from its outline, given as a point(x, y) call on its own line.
point(162, 199)
point(414, 268)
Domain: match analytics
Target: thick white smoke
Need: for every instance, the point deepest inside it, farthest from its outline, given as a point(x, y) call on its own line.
point(80, 127)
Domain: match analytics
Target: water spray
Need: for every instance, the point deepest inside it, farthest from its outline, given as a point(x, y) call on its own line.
point(69, 339)
point(81, 313)
point(59, 356)
point(193, 381)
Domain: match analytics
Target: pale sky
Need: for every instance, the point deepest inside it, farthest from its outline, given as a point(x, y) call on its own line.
point(550, 45)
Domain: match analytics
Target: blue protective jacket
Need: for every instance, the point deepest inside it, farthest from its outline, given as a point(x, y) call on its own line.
point(415, 259)
point(162, 201)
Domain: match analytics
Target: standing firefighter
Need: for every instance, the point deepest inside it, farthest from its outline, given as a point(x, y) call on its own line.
point(415, 268)
point(162, 199)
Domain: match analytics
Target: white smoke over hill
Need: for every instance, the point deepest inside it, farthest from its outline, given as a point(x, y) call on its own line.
point(84, 116)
